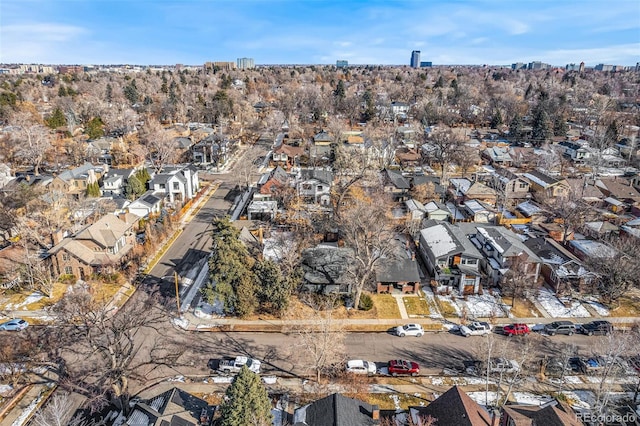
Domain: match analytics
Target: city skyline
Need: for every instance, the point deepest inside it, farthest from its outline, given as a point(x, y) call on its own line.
point(192, 32)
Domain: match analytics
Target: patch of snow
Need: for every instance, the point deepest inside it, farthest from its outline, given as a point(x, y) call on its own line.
point(32, 298)
point(602, 310)
point(573, 380)
point(176, 379)
point(437, 381)
point(29, 410)
point(454, 305)
point(208, 311)
point(434, 312)
point(482, 306)
point(557, 309)
point(269, 380)
point(484, 398)
point(530, 398)
point(396, 401)
point(475, 381)
point(221, 379)
point(580, 400)
point(180, 322)
point(5, 390)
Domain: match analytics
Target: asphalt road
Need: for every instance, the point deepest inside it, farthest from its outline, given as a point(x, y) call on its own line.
point(283, 354)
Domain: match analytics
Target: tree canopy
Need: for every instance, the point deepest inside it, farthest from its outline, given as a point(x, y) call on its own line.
point(246, 402)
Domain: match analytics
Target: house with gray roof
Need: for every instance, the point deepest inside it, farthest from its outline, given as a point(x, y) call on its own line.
point(178, 183)
point(174, 407)
point(395, 184)
point(115, 181)
point(398, 273)
point(148, 204)
point(74, 182)
point(452, 260)
point(544, 186)
point(315, 185)
point(337, 410)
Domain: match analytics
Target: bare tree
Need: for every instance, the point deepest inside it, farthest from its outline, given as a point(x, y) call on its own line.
point(569, 210)
point(517, 281)
point(368, 230)
point(56, 412)
point(103, 353)
point(617, 268)
point(32, 139)
point(322, 338)
point(161, 147)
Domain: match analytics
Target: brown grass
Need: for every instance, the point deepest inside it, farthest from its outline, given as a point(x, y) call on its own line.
point(416, 306)
point(524, 308)
point(446, 307)
point(386, 400)
point(626, 306)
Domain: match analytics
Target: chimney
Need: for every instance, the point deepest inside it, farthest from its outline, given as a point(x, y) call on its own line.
point(375, 412)
point(413, 256)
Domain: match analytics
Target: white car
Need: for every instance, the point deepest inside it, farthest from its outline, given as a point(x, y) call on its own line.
point(409, 330)
point(358, 366)
point(476, 328)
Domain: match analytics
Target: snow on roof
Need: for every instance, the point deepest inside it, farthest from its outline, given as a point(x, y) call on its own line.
point(474, 206)
point(536, 180)
point(614, 202)
point(528, 208)
point(440, 241)
point(462, 185)
point(455, 212)
point(593, 248)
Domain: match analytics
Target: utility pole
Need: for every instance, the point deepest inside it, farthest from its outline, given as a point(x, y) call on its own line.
point(177, 292)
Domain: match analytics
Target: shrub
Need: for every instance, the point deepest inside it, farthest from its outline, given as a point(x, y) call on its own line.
point(366, 302)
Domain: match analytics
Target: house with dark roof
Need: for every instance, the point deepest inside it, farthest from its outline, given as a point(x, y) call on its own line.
point(178, 183)
point(620, 189)
point(453, 408)
point(560, 268)
point(287, 156)
point(398, 274)
point(408, 157)
point(148, 204)
point(100, 246)
point(327, 269)
point(395, 184)
point(174, 407)
point(545, 186)
point(337, 410)
point(115, 181)
point(321, 146)
point(315, 185)
point(271, 182)
point(555, 413)
point(510, 187)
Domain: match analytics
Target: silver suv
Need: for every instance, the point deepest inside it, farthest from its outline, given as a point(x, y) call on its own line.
point(560, 327)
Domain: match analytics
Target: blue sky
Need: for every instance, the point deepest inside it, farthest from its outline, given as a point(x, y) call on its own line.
point(319, 31)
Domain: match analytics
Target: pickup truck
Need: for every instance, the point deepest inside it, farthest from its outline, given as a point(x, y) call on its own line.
point(233, 365)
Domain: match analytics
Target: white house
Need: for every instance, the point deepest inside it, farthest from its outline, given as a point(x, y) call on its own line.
point(315, 184)
point(178, 183)
point(149, 203)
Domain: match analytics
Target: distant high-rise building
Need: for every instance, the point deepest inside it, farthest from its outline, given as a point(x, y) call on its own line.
point(519, 66)
point(245, 63)
point(537, 65)
point(426, 64)
point(603, 67)
point(220, 65)
point(572, 67)
point(637, 66)
point(581, 69)
point(415, 59)
point(342, 64)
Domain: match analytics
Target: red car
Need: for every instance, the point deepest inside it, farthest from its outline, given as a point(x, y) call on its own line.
point(517, 329)
point(402, 367)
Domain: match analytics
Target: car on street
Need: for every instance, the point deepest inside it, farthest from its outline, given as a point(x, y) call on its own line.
point(599, 327)
point(15, 324)
point(560, 327)
point(359, 366)
point(401, 367)
point(409, 330)
point(517, 329)
point(496, 365)
point(475, 328)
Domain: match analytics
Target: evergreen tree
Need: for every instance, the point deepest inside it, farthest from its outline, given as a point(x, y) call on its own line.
point(274, 291)
point(439, 83)
point(496, 119)
point(143, 176)
point(95, 128)
point(339, 93)
point(369, 106)
point(560, 126)
point(109, 93)
point(131, 92)
point(62, 91)
point(230, 270)
point(612, 134)
point(93, 190)
point(515, 127)
point(57, 119)
point(542, 129)
point(134, 188)
point(246, 402)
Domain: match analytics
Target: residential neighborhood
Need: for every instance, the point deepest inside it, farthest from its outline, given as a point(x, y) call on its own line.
point(300, 218)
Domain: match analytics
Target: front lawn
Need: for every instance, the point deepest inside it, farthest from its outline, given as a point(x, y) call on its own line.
point(416, 306)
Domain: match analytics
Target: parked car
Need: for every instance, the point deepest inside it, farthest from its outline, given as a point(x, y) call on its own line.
point(359, 366)
point(234, 365)
point(496, 365)
point(517, 329)
point(476, 328)
point(560, 327)
point(599, 327)
point(409, 330)
point(402, 367)
point(15, 324)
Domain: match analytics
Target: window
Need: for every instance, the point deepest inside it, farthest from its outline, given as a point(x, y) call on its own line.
point(523, 185)
point(469, 282)
point(68, 270)
point(161, 186)
point(65, 256)
point(306, 187)
point(319, 188)
point(176, 185)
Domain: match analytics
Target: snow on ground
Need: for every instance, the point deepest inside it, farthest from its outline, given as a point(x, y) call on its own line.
point(530, 398)
point(437, 381)
point(396, 400)
point(602, 310)
point(5, 390)
point(484, 398)
point(446, 300)
point(557, 309)
point(580, 400)
point(481, 306)
point(573, 380)
point(32, 298)
point(434, 312)
point(208, 311)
